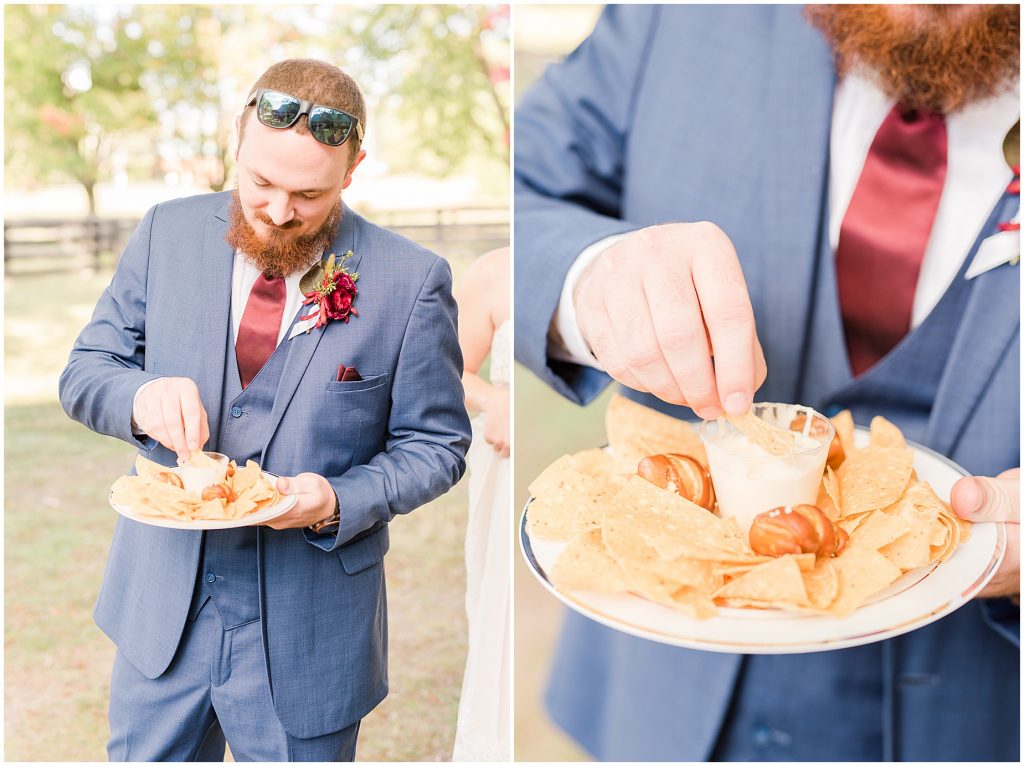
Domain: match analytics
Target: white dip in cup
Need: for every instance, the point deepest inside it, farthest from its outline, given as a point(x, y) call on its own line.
point(196, 478)
point(749, 480)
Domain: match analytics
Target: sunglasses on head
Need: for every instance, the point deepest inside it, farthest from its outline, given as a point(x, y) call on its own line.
point(281, 110)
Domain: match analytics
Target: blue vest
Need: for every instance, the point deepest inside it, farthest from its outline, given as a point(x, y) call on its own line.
point(228, 570)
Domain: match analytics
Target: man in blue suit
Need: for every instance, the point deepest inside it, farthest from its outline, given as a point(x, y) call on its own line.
point(272, 638)
point(689, 169)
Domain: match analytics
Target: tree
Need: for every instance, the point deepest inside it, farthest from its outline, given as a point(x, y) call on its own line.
point(444, 66)
point(81, 79)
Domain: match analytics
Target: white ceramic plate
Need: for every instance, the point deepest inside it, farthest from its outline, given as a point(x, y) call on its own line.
point(918, 598)
point(267, 514)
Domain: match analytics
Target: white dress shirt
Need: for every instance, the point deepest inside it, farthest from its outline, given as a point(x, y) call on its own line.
point(243, 277)
point(976, 177)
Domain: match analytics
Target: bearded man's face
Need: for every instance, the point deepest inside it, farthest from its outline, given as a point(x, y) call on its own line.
point(935, 57)
point(286, 208)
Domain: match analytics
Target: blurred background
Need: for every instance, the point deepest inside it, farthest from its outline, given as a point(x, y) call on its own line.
point(110, 109)
point(546, 427)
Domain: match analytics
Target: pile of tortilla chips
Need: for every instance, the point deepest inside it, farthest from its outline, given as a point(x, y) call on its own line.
point(625, 534)
point(148, 496)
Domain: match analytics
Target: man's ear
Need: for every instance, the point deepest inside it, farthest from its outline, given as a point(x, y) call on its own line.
point(352, 169)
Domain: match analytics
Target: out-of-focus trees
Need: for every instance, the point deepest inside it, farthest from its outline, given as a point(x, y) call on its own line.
point(151, 91)
point(82, 80)
point(445, 67)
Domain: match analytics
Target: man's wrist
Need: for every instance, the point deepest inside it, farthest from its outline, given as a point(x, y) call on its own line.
point(330, 523)
point(565, 341)
point(136, 431)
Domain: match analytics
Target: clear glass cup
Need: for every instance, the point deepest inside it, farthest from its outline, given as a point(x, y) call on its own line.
point(197, 478)
point(748, 480)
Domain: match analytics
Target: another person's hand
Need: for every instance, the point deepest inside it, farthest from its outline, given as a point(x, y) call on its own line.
point(978, 499)
point(659, 303)
point(316, 501)
point(496, 422)
point(171, 411)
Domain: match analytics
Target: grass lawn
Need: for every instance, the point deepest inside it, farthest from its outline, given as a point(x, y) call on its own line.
point(58, 528)
point(547, 426)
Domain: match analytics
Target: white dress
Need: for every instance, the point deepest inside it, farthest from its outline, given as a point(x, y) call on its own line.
point(483, 731)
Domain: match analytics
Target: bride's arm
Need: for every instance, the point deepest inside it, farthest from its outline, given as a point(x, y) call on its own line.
point(482, 295)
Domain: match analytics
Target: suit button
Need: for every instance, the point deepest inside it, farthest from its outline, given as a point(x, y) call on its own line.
point(211, 577)
point(762, 735)
point(832, 410)
point(236, 412)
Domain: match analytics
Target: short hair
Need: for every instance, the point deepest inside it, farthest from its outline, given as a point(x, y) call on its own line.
point(315, 81)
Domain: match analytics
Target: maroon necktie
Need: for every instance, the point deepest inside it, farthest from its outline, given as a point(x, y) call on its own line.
point(260, 326)
point(885, 232)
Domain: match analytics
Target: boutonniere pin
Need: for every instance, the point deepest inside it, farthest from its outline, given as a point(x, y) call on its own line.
point(332, 288)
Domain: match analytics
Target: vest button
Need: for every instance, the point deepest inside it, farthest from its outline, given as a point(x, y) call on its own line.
point(211, 577)
point(236, 412)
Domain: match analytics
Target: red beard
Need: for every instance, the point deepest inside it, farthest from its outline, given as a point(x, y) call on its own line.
point(279, 254)
point(939, 58)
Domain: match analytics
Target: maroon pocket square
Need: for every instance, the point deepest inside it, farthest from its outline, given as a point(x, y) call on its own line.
point(348, 373)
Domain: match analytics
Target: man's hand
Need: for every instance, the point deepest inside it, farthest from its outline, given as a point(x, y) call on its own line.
point(496, 422)
point(656, 305)
point(976, 499)
point(170, 411)
point(316, 501)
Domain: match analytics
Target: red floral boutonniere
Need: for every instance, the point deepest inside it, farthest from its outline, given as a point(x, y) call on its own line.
point(332, 288)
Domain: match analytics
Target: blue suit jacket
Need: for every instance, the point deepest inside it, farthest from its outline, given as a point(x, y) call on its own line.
point(388, 444)
point(722, 113)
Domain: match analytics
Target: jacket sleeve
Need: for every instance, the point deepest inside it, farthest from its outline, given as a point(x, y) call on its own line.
point(571, 132)
point(428, 428)
point(107, 362)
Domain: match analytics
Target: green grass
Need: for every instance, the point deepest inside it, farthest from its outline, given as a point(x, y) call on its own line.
point(57, 531)
point(547, 426)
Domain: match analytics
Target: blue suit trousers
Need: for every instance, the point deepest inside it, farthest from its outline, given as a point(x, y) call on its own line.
point(215, 691)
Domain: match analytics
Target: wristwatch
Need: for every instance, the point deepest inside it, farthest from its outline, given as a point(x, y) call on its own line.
point(331, 523)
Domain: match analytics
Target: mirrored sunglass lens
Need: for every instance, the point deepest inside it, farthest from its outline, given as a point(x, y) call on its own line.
point(278, 110)
point(329, 125)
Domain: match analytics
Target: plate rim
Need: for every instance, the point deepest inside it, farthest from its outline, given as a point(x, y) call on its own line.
point(203, 525)
point(794, 647)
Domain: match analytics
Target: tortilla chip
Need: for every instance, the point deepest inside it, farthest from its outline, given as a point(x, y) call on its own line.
point(885, 434)
point(694, 603)
point(571, 495)
point(584, 564)
point(635, 431)
point(873, 478)
point(843, 422)
point(862, 573)
point(822, 584)
point(776, 582)
point(148, 470)
point(878, 530)
point(828, 495)
point(770, 438)
point(644, 521)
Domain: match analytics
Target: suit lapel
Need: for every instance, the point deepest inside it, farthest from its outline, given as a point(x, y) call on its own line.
point(799, 86)
point(301, 348)
point(215, 287)
point(990, 322)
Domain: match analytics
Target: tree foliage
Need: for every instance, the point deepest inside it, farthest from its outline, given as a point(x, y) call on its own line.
point(94, 90)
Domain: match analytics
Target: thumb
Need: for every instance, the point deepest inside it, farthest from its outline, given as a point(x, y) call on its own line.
point(282, 485)
point(977, 498)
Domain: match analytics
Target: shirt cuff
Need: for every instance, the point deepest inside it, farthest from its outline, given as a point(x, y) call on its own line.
point(136, 431)
point(565, 341)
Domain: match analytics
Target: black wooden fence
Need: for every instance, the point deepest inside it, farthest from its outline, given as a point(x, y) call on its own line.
point(91, 244)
